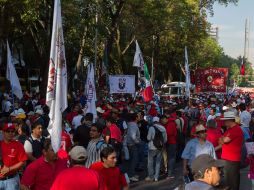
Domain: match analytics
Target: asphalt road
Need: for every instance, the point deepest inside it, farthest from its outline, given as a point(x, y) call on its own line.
point(164, 184)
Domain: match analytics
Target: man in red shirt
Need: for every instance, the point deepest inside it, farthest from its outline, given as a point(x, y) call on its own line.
point(171, 145)
point(78, 177)
point(112, 176)
point(12, 158)
point(41, 173)
point(231, 142)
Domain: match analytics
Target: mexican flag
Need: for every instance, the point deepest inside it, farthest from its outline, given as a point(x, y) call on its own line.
point(148, 90)
point(242, 69)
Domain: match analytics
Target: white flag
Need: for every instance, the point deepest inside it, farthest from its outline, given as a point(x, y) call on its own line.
point(12, 76)
point(138, 58)
point(90, 92)
point(187, 74)
point(56, 97)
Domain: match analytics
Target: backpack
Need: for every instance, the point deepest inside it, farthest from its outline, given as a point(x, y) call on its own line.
point(180, 138)
point(119, 124)
point(158, 139)
point(100, 145)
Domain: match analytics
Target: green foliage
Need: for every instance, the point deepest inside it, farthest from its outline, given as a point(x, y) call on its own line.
point(163, 28)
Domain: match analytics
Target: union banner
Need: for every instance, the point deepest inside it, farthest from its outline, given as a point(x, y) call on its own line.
point(211, 80)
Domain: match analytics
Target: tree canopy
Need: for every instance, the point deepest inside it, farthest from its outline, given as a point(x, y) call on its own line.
point(163, 28)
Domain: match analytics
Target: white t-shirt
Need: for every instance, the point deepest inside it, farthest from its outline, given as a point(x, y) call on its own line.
point(6, 106)
point(76, 121)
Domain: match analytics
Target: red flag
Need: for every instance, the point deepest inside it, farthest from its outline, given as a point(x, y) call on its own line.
point(242, 70)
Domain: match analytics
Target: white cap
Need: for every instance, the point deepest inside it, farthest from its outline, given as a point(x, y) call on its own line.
point(156, 119)
point(100, 110)
point(39, 111)
point(225, 108)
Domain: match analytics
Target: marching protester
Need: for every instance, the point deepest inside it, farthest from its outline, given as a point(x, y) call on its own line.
point(157, 137)
point(231, 142)
point(206, 173)
point(78, 176)
point(41, 173)
point(81, 135)
point(34, 144)
point(95, 145)
point(111, 174)
point(194, 148)
point(12, 158)
point(133, 140)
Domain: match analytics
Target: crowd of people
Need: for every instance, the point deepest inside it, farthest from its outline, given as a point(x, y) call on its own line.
point(207, 133)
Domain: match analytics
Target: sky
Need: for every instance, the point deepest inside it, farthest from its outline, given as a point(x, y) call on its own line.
point(231, 23)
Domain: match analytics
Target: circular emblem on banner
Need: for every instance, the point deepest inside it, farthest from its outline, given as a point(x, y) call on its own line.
point(210, 78)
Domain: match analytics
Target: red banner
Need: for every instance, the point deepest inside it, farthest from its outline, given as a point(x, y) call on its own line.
point(211, 80)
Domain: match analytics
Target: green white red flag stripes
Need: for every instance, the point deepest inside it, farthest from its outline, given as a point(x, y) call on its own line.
point(148, 90)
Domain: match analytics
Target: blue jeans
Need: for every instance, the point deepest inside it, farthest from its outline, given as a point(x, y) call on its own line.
point(10, 184)
point(171, 150)
point(133, 151)
point(157, 155)
point(141, 154)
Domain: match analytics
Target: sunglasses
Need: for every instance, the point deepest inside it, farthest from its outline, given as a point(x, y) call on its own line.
point(10, 131)
point(202, 132)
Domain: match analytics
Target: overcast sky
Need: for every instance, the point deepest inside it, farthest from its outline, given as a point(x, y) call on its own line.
point(231, 23)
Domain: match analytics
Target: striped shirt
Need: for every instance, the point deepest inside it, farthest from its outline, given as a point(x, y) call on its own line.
point(93, 151)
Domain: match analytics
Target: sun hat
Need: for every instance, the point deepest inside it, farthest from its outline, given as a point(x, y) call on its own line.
point(200, 128)
point(228, 115)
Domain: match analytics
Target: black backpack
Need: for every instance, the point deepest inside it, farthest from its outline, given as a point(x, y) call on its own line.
point(119, 124)
point(158, 139)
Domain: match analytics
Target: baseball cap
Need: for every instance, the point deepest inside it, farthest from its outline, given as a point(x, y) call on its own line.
point(205, 161)
point(100, 110)
point(8, 126)
point(39, 111)
point(78, 153)
point(156, 119)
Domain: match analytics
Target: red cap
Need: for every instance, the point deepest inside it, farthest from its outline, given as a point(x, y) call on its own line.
point(8, 126)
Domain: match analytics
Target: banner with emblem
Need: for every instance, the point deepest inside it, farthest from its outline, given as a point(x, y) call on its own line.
point(211, 80)
point(122, 84)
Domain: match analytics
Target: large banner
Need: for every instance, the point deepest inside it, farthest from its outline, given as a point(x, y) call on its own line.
point(211, 80)
point(122, 84)
point(242, 90)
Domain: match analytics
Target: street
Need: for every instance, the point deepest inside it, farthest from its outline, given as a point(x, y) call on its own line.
point(165, 184)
